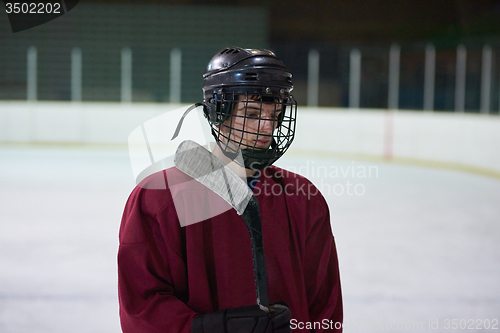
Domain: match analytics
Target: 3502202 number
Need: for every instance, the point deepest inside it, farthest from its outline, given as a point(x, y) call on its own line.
point(471, 324)
point(32, 8)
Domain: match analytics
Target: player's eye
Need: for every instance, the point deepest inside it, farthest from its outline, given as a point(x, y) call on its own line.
point(254, 114)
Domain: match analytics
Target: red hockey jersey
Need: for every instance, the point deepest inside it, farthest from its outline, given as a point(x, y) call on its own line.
point(168, 273)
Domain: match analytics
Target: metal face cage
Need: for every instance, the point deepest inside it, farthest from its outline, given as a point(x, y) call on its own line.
point(261, 126)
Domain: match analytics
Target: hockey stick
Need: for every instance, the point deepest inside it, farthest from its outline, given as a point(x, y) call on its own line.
point(206, 168)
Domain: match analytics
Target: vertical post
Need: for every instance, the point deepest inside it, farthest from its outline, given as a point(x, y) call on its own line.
point(313, 78)
point(486, 79)
point(76, 74)
point(461, 74)
point(175, 75)
point(31, 74)
point(429, 77)
point(394, 58)
point(355, 78)
point(126, 82)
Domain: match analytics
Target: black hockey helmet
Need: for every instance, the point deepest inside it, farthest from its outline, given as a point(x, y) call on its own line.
point(249, 76)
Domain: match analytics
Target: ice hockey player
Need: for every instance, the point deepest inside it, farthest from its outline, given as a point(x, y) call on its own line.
point(199, 278)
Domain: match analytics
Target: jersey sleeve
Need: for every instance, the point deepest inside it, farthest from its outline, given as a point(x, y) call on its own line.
point(147, 266)
point(322, 269)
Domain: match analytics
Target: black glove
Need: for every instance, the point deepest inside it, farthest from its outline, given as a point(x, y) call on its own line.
point(246, 319)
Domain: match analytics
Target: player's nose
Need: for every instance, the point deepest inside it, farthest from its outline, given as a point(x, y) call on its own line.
point(267, 123)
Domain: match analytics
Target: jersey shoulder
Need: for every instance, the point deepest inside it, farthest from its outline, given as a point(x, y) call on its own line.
point(155, 192)
point(151, 200)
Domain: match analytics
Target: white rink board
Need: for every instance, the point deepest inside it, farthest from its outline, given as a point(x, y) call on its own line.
point(457, 138)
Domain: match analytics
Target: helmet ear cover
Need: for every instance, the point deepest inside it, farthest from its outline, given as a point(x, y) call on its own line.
point(218, 107)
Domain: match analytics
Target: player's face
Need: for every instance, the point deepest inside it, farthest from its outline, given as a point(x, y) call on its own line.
point(252, 123)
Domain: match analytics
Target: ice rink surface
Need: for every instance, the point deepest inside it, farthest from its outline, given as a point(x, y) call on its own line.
point(418, 247)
